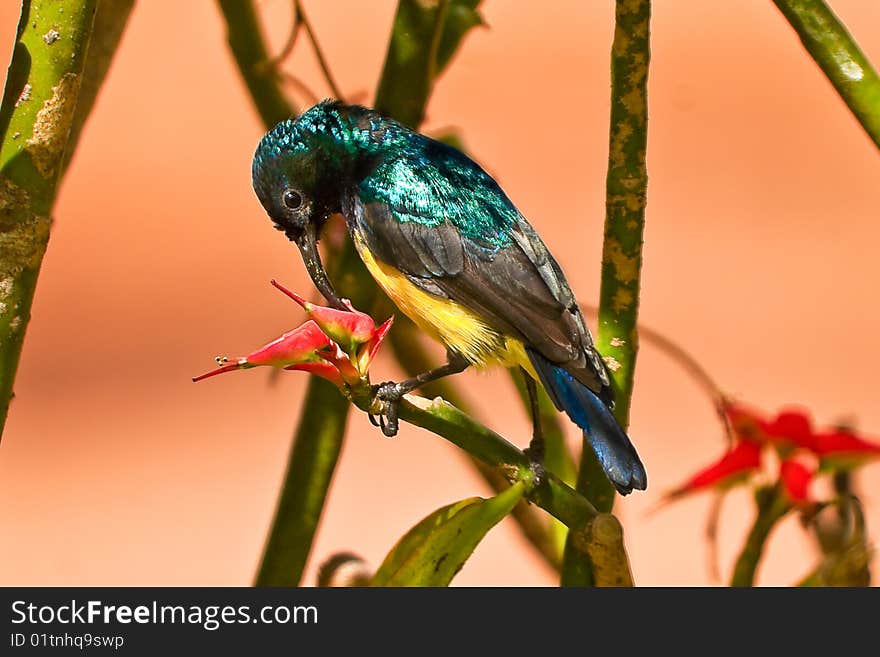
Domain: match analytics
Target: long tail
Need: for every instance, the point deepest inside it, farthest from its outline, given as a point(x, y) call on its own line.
point(615, 451)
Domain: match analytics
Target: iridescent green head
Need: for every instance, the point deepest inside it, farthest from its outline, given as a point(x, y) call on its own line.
point(302, 166)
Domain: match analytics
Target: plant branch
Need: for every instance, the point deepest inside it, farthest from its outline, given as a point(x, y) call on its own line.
point(599, 535)
point(38, 109)
point(322, 62)
point(317, 443)
point(833, 48)
point(320, 433)
point(246, 43)
point(416, 24)
point(626, 194)
point(316, 447)
point(772, 507)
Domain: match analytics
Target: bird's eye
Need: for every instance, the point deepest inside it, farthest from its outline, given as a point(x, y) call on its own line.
point(292, 199)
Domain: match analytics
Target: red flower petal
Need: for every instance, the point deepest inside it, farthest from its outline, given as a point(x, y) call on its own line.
point(367, 352)
point(741, 459)
point(746, 424)
point(323, 369)
point(301, 345)
point(348, 328)
point(795, 478)
point(791, 427)
point(342, 363)
point(843, 448)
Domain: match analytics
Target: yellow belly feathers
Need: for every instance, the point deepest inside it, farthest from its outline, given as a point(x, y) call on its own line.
point(447, 321)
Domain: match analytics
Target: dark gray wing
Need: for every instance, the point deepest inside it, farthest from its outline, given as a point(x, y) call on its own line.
point(518, 288)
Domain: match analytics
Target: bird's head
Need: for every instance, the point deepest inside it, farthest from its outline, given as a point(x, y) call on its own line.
point(300, 169)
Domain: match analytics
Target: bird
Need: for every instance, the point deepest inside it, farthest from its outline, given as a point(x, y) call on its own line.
point(454, 254)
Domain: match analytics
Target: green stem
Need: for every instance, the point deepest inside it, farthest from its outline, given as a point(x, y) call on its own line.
point(626, 194)
point(36, 115)
point(598, 535)
point(838, 55)
point(316, 447)
point(319, 53)
point(416, 25)
point(772, 506)
point(317, 443)
point(319, 435)
point(246, 43)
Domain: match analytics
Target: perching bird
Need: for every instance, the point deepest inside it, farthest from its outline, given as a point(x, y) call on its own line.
point(451, 251)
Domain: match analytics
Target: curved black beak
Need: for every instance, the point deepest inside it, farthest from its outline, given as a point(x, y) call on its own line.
point(308, 247)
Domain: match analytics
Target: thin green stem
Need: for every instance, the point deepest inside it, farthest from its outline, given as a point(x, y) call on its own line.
point(599, 535)
point(772, 507)
point(322, 62)
point(246, 43)
point(833, 48)
point(626, 194)
point(36, 115)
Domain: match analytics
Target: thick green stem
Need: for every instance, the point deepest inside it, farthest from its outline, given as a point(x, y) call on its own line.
point(626, 194)
point(836, 52)
point(317, 443)
point(772, 506)
point(245, 37)
point(36, 115)
point(319, 435)
point(310, 469)
point(411, 57)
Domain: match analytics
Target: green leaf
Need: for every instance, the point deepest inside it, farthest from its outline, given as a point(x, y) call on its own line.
point(432, 552)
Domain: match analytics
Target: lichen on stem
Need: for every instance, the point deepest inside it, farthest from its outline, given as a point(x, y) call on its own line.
point(36, 115)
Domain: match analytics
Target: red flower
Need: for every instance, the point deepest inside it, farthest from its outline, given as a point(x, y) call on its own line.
point(843, 448)
point(335, 344)
point(355, 332)
point(795, 478)
point(300, 348)
point(746, 423)
point(740, 461)
point(348, 329)
point(791, 429)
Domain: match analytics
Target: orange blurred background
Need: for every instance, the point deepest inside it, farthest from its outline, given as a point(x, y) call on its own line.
point(760, 257)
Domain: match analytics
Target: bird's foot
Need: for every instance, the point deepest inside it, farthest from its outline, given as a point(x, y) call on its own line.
point(389, 394)
point(535, 453)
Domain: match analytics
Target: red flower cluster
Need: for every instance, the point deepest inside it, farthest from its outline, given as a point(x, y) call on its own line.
point(337, 345)
point(803, 451)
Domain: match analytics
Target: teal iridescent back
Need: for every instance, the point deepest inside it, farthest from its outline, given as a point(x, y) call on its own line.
point(420, 179)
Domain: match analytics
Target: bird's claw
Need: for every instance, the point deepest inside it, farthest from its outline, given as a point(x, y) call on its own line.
point(390, 394)
point(536, 464)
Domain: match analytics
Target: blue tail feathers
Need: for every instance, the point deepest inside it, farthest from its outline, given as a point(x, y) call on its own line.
point(614, 449)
